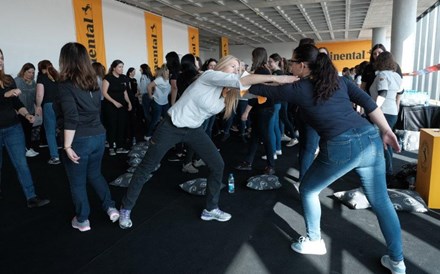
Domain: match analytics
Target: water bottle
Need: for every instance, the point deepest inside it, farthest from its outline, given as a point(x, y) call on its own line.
point(231, 183)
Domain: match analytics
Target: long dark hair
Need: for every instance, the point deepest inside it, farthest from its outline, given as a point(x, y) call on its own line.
point(259, 58)
point(323, 73)
point(75, 66)
point(173, 62)
point(114, 64)
point(385, 61)
point(188, 66)
point(129, 71)
point(375, 47)
point(51, 72)
point(147, 71)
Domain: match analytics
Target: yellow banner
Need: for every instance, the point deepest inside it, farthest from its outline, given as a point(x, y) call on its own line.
point(89, 28)
point(193, 40)
point(153, 25)
point(224, 46)
point(348, 54)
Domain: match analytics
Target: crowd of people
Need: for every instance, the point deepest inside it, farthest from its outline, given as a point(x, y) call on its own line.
point(82, 109)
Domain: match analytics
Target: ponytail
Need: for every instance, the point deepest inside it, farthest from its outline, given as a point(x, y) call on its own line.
point(325, 77)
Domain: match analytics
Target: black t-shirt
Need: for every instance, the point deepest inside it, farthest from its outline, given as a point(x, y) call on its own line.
point(50, 88)
point(9, 106)
point(132, 89)
point(116, 88)
point(254, 102)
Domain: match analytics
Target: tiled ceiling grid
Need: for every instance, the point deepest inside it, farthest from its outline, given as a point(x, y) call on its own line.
point(248, 22)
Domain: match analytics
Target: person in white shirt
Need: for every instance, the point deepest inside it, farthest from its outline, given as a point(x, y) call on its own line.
point(158, 91)
point(208, 95)
point(385, 90)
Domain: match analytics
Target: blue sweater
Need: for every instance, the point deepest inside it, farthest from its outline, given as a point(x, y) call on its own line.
point(329, 118)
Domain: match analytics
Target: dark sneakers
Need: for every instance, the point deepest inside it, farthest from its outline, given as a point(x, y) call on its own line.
point(244, 166)
point(269, 170)
point(36, 202)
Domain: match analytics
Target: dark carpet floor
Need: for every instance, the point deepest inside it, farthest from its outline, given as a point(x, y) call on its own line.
point(169, 237)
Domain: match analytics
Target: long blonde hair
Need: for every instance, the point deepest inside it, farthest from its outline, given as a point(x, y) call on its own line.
point(231, 97)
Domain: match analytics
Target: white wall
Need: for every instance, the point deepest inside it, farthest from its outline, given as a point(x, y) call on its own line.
point(39, 31)
point(124, 34)
point(35, 32)
point(175, 37)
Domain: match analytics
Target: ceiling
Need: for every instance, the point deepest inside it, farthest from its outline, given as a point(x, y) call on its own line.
point(253, 22)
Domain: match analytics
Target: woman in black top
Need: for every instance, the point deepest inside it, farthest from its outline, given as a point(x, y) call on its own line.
point(136, 112)
point(84, 136)
point(115, 107)
point(47, 89)
point(11, 134)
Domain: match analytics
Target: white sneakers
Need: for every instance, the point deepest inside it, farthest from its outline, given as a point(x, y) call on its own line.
point(189, 168)
point(306, 246)
point(31, 153)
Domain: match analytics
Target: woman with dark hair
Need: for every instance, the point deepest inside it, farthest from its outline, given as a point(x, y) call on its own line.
point(47, 90)
point(188, 74)
point(133, 92)
point(370, 72)
point(173, 64)
point(12, 137)
point(78, 108)
point(115, 107)
point(260, 114)
point(385, 89)
point(146, 78)
point(209, 64)
point(26, 83)
point(206, 96)
point(348, 142)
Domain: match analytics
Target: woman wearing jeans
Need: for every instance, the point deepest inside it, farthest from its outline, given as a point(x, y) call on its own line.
point(348, 142)
point(206, 96)
point(78, 109)
point(12, 137)
point(47, 89)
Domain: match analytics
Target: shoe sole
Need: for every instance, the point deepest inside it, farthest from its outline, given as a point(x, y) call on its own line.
point(385, 263)
point(125, 227)
point(82, 229)
point(190, 172)
point(309, 253)
point(214, 218)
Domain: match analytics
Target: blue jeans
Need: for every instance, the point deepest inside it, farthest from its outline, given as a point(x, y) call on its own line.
point(90, 149)
point(360, 149)
point(274, 128)
point(13, 139)
point(260, 132)
point(391, 119)
point(146, 104)
point(158, 111)
point(308, 143)
point(50, 124)
point(165, 137)
point(286, 125)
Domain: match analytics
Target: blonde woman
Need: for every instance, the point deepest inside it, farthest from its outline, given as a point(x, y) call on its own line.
point(206, 96)
point(159, 97)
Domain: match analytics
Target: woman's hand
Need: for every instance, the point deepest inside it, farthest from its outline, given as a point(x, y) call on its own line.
point(117, 104)
point(72, 155)
point(13, 93)
point(130, 107)
point(389, 138)
point(30, 118)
